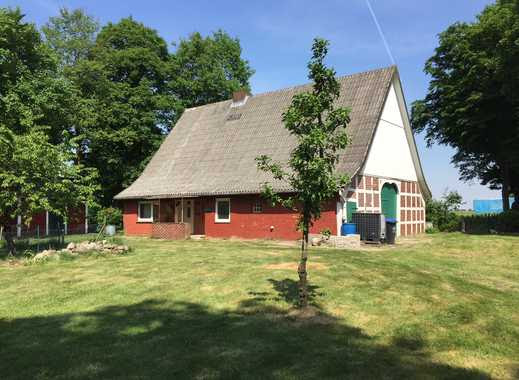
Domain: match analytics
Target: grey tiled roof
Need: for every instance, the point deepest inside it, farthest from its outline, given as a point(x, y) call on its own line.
point(212, 148)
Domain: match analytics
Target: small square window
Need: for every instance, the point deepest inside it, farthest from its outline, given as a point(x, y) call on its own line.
point(257, 207)
point(223, 210)
point(145, 212)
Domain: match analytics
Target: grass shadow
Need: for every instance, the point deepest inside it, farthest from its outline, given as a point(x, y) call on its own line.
point(159, 339)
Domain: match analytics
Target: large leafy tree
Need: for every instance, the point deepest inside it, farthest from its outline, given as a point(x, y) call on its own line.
point(71, 35)
point(208, 69)
point(36, 175)
point(320, 129)
point(32, 93)
point(472, 103)
point(126, 105)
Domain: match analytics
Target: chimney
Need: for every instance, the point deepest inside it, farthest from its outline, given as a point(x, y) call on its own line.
point(239, 98)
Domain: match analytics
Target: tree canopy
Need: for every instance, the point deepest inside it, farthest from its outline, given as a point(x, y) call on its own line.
point(320, 129)
point(472, 103)
point(208, 69)
point(32, 94)
point(36, 175)
point(71, 35)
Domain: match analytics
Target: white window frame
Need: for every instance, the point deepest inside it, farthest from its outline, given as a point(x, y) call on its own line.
point(216, 219)
point(144, 220)
point(255, 210)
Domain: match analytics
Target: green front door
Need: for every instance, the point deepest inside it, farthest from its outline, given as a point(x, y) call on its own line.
point(388, 200)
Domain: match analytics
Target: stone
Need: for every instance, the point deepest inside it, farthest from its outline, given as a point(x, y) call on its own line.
point(346, 242)
point(315, 241)
point(45, 254)
point(71, 246)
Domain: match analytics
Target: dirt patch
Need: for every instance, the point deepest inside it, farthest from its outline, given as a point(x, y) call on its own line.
point(294, 265)
point(310, 315)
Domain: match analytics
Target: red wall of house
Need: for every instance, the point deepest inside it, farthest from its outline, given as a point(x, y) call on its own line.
point(244, 223)
point(131, 226)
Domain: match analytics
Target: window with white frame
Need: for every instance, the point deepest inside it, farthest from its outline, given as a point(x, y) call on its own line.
point(145, 212)
point(257, 207)
point(223, 210)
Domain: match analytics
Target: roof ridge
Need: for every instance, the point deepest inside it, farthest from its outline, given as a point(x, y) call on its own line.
point(341, 77)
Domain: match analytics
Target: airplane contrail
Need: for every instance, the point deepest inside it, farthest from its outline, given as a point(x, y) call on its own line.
point(381, 32)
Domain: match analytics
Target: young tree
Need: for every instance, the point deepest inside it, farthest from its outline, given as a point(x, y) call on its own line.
point(36, 175)
point(320, 129)
point(207, 70)
point(71, 35)
point(472, 103)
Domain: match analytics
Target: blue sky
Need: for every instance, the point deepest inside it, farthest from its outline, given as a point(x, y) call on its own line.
point(276, 38)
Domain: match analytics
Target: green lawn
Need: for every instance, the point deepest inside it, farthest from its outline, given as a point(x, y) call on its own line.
point(445, 306)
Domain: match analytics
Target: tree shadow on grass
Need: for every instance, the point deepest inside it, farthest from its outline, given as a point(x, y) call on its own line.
point(160, 339)
point(287, 290)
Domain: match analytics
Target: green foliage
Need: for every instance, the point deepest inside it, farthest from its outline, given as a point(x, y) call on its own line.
point(326, 233)
point(505, 222)
point(36, 175)
point(71, 35)
point(126, 106)
point(472, 103)
point(110, 215)
point(442, 213)
point(32, 94)
point(210, 69)
point(320, 129)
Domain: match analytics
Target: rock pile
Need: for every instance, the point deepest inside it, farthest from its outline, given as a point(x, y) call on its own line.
point(83, 247)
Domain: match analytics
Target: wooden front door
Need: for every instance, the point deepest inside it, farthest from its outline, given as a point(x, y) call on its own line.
point(199, 217)
point(186, 213)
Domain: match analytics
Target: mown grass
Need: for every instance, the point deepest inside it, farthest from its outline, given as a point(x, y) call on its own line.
point(446, 306)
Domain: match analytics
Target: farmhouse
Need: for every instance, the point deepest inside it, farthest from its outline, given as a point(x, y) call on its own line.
point(203, 180)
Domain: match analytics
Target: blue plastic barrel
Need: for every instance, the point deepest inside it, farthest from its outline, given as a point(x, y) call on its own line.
point(348, 229)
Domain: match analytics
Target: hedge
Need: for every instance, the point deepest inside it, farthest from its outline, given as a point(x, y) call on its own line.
point(505, 222)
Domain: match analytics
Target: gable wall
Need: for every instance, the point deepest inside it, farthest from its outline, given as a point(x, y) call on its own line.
point(390, 155)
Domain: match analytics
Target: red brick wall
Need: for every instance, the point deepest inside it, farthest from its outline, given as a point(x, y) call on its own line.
point(244, 223)
point(365, 190)
point(131, 226)
point(412, 206)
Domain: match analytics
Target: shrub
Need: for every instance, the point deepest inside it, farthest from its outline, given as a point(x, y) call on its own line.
point(111, 215)
point(442, 213)
point(326, 233)
point(505, 222)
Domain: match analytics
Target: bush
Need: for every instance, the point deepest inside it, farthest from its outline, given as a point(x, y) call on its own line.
point(505, 222)
point(111, 215)
point(442, 214)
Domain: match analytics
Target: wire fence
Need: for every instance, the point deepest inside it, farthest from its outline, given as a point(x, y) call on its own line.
point(36, 239)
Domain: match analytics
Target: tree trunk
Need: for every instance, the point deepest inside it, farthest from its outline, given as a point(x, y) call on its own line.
point(505, 189)
point(301, 270)
point(11, 248)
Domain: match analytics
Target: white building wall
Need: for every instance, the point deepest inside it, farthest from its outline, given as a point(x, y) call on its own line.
point(390, 155)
